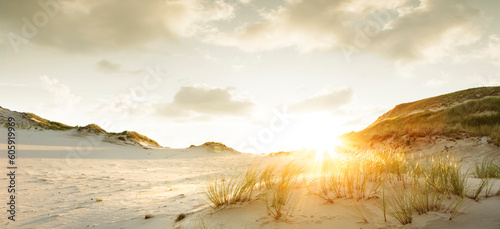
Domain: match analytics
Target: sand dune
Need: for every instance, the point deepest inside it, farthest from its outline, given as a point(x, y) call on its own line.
point(110, 185)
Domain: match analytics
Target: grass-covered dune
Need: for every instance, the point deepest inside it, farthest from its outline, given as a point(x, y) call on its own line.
point(468, 113)
point(215, 147)
point(134, 136)
point(33, 121)
point(37, 121)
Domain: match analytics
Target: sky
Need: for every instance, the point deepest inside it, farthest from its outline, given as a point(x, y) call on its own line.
point(257, 75)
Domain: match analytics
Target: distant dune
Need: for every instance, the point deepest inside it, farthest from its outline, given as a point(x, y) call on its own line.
point(215, 147)
point(32, 121)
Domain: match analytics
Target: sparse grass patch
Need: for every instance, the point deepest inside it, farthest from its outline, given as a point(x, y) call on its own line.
point(358, 211)
point(238, 189)
point(423, 200)
point(456, 207)
point(487, 169)
point(482, 185)
point(400, 207)
point(404, 184)
point(279, 200)
point(267, 177)
point(444, 175)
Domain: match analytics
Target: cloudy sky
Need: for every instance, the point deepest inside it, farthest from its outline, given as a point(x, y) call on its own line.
point(257, 75)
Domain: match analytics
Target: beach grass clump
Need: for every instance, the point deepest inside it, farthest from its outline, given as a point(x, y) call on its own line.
point(486, 184)
point(279, 199)
point(487, 169)
point(329, 187)
point(267, 177)
point(279, 202)
point(223, 192)
point(400, 207)
point(423, 200)
point(247, 185)
point(219, 192)
point(444, 175)
point(350, 177)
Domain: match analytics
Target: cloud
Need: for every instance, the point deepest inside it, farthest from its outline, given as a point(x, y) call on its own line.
point(106, 66)
point(406, 31)
point(439, 81)
point(128, 102)
point(328, 99)
point(484, 80)
point(95, 25)
point(193, 103)
point(432, 30)
point(205, 100)
point(13, 85)
point(489, 53)
point(63, 97)
point(245, 1)
point(401, 30)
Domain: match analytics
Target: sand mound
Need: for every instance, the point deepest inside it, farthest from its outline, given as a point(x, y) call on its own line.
point(91, 129)
point(216, 147)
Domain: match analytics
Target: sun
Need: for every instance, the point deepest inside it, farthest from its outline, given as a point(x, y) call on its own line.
point(327, 148)
point(317, 133)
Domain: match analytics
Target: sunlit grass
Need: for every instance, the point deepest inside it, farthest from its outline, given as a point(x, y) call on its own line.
point(223, 192)
point(403, 184)
point(279, 199)
point(477, 114)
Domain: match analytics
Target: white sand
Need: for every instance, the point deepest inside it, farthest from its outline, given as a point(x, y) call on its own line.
point(55, 191)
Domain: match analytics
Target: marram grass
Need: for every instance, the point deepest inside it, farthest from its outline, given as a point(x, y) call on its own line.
point(404, 185)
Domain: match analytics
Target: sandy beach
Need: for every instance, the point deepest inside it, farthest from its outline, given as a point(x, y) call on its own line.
point(116, 186)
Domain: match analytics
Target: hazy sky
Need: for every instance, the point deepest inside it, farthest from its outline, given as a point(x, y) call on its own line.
point(257, 75)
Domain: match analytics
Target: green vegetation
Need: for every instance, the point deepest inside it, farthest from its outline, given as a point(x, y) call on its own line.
point(487, 169)
point(132, 135)
point(476, 115)
point(216, 147)
point(443, 175)
point(59, 126)
point(139, 137)
point(400, 207)
point(441, 101)
point(44, 123)
point(91, 128)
